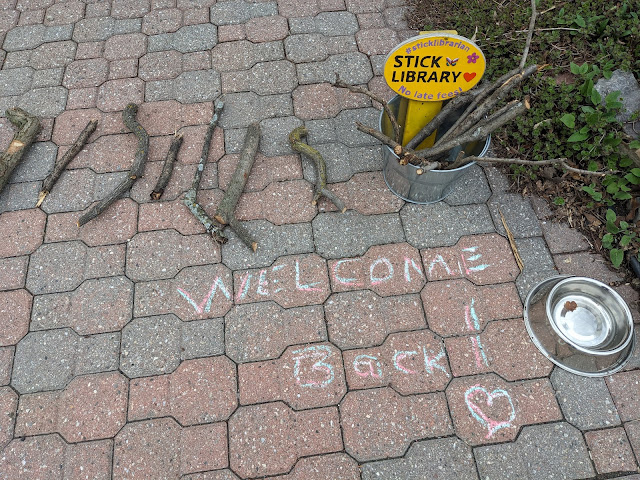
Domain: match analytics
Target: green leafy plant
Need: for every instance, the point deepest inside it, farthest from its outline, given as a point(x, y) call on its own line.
point(619, 237)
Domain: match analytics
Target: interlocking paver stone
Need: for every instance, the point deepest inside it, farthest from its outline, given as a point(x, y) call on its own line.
point(352, 67)
point(412, 362)
point(633, 433)
point(308, 47)
point(337, 466)
point(22, 232)
point(585, 402)
point(350, 234)
point(86, 73)
point(13, 272)
point(151, 346)
point(610, 451)
point(538, 264)
point(363, 319)
point(624, 387)
point(427, 459)
point(379, 423)
point(486, 409)
point(268, 439)
point(91, 407)
point(199, 391)
point(279, 203)
point(49, 359)
point(14, 316)
point(238, 11)
point(8, 408)
point(479, 258)
point(267, 29)
point(336, 23)
point(470, 189)
point(97, 306)
point(440, 224)
point(262, 331)
point(304, 377)
point(56, 267)
point(115, 95)
point(44, 102)
point(16, 81)
point(190, 38)
point(161, 254)
point(556, 450)
point(458, 307)
point(6, 362)
point(293, 281)
point(561, 238)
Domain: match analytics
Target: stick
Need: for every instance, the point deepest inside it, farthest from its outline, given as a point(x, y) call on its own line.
point(167, 168)
point(532, 24)
point(405, 155)
point(61, 164)
point(224, 213)
point(137, 168)
point(474, 134)
point(212, 228)
point(295, 139)
point(433, 125)
point(373, 96)
point(532, 163)
point(28, 127)
point(512, 242)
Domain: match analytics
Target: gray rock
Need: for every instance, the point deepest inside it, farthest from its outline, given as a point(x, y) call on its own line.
point(627, 85)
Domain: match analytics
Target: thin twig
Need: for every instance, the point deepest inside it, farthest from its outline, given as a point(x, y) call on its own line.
point(512, 242)
point(532, 24)
point(534, 163)
point(373, 96)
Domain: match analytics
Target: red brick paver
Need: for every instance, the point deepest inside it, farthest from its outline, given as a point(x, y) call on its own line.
point(611, 451)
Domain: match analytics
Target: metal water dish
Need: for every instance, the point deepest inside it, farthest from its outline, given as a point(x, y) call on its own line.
point(580, 324)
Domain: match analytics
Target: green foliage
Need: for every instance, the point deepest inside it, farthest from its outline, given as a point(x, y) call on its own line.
point(619, 237)
point(579, 43)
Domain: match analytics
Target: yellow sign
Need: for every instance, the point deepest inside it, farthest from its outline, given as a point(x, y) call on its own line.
point(434, 67)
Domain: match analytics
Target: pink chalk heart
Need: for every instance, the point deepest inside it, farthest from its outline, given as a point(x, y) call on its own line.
point(469, 76)
point(491, 424)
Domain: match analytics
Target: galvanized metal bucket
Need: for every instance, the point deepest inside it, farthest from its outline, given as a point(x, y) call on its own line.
point(580, 324)
point(432, 185)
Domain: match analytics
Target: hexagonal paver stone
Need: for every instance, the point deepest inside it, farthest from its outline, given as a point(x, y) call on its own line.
point(22, 231)
point(336, 23)
point(504, 347)
point(13, 272)
point(190, 38)
point(56, 267)
point(91, 407)
point(151, 346)
point(199, 391)
point(304, 377)
point(541, 452)
point(471, 188)
point(376, 41)
point(97, 306)
point(34, 457)
point(293, 281)
point(611, 451)
point(518, 214)
point(393, 269)
point(188, 87)
point(162, 254)
point(86, 73)
point(268, 439)
point(195, 293)
point(36, 164)
point(458, 307)
point(337, 466)
point(8, 408)
point(585, 402)
point(162, 449)
point(279, 203)
point(623, 387)
point(363, 319)
point(352, 67)
point(427, 459)
point(365, 192)
point(483, 259)
point(412, 362)
point(167, 20)
point(262, 331)
point(351, 234)
point(114, 95)
point(382, 424)
point(6, 362)
point(49, 359)
point(15, 309)
point(486, 409)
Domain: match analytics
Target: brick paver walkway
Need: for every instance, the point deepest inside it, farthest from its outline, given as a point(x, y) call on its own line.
point(383, 343)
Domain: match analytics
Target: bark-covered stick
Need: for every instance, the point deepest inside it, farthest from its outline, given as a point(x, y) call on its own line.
point(61, 164)
point(28, 127)
point(321, 190)
point(137, 168)
point(224, 213)
point(212, 228)
point(167, 168)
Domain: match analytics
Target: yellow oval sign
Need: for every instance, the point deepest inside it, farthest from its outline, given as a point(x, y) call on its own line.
point(434, 67)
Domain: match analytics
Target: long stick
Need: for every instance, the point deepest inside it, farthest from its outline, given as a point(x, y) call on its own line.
point(532, 23)
point(61, 164)
point(295, 139)
point(28, 127)
point(224, 213)
point(167, 168)
point(212, 228)
point(137, 168)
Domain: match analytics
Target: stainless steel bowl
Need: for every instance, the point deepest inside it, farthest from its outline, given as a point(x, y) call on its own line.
point(580, 324)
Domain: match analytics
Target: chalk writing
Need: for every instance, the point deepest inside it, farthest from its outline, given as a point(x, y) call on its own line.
point(381, 271)
point(474, 395)
point(464, 263)
point(303, 287)
point(370, 366)
point(318, 354)
point(473, 324)
point(205, 305)
point(367, 360)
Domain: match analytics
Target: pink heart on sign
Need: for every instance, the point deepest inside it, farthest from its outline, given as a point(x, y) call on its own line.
point(491, 424)
point(469, 76)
